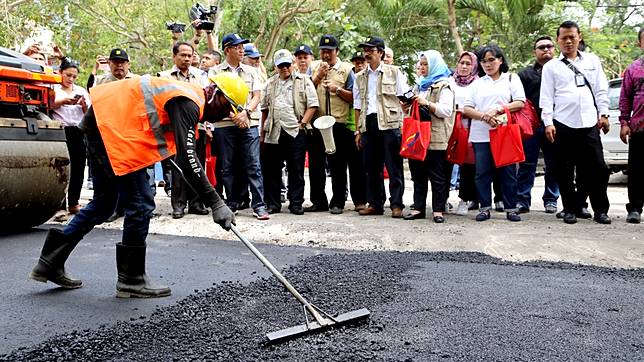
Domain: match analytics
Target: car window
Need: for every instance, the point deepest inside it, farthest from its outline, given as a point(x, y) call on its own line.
point(613, 95)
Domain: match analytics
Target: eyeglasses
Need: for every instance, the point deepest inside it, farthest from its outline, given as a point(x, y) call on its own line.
point(545, 46)
point(284, 65)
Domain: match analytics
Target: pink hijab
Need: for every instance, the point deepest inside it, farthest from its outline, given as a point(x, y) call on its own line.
point(465, 80)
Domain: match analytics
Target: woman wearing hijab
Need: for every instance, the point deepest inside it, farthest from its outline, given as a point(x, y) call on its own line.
point(436, 100)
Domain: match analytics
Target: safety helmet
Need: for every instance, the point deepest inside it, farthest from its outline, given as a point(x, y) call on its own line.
point(233, 87)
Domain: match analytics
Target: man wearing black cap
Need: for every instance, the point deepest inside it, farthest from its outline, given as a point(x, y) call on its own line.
point(237, 137)
point(358, 61)
point(303, 59)
point(378, 119)
point(334, 82)
point(119, 63)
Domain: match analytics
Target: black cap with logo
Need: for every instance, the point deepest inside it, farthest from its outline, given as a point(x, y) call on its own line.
point(373, 41)
point(357, 55)
point(328, 41)
point(118, 54)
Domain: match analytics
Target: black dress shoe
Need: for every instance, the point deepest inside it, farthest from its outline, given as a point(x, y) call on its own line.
point(244, 205)
point(602, 218)
point(316, 208)
point(273, 210)
point(198, 210)
point(584, 214)
point(570, 218)
point(178, 214)
point(414, 215)
point(296, 210)
point(439, 219)
point(560, 214)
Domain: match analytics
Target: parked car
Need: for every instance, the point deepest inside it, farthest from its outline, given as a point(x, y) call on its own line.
point(615, 151)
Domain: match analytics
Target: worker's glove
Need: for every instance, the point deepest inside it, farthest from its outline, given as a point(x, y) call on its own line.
point(222, 215)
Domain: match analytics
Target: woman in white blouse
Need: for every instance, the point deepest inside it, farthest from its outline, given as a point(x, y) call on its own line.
point(69, 107)
point(484, 106)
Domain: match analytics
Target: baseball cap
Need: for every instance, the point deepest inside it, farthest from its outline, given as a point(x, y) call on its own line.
point(357, 55)
point(373, 41)
point(233, 39)
point(328, 41)
point(303, 48)
point(251, 51)
point(118, 54)
point(282, 56)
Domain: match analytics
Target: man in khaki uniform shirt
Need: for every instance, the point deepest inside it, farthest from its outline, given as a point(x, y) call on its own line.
point(334, 81)
point(288, 106)
point(181, 194)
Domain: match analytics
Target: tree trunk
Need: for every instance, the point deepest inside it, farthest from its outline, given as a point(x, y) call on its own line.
point(451, 15)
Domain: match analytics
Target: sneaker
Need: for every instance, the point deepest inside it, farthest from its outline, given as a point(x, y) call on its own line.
point(261, 213)
point(461, 209)
point(483, 215)
point(335, 210)
point(551, 208)
point(513, 216)
point(498, 206)
point(633, 217)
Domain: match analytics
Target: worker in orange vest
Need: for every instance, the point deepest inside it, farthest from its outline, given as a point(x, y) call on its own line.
point(132, 124)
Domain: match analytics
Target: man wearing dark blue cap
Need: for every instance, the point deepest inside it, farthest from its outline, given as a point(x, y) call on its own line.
point(378, 119)
point(303, 59)
point(252, 57)
point(333, 79)
point(237, 137)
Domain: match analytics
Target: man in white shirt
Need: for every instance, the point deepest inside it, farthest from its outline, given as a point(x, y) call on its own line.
point(574, 102)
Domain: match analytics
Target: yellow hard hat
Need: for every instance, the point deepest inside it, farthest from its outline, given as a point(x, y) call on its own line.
point(233, 87)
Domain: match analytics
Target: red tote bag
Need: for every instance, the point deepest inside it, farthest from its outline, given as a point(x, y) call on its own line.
point(415, 135)
point(211, 163)
point(459, 148)
point(506, 144)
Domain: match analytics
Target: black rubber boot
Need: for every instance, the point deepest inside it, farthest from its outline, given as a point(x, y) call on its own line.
point(51, 264)
point(132, 282)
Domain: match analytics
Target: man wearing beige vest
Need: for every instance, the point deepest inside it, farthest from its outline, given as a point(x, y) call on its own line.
point(378, 118)
point(288, 106)
point(333, 79)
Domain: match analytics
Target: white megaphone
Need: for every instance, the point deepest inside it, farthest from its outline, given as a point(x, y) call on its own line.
point(325, 125)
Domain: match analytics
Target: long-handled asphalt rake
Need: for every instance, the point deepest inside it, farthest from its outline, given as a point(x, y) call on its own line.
point(322, 320)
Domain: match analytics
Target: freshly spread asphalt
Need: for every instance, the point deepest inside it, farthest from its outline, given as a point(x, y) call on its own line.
point(424, 306)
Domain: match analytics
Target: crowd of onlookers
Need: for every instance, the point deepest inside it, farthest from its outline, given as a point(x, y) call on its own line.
point(261, 153)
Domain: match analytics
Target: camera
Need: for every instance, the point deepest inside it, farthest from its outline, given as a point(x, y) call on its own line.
point(407, 97)
point(175, 27)
point(200, 16)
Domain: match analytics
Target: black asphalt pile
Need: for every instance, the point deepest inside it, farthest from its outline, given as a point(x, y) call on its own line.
point(425, 306)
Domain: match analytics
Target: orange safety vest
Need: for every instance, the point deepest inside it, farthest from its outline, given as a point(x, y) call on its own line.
point(132, 120)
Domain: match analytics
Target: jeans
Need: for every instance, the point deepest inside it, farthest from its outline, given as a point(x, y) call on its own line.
point(437, 170)
point(77, 158)
point(528, 169)
point(635, 172)
point(485, 170)
point(232, 141)
point(131, 190)
point(293, 151)
point(382, 148)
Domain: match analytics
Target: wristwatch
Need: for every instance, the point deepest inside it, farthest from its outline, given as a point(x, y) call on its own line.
point(337, 90)
point(248, 112)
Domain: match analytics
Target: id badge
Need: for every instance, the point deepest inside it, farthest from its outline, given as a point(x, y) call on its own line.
point(579, 80)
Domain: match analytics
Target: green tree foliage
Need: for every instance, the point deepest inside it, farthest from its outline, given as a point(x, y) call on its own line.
point(86, 28)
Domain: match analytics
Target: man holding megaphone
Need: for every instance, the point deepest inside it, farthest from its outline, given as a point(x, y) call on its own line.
point(334, 81)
